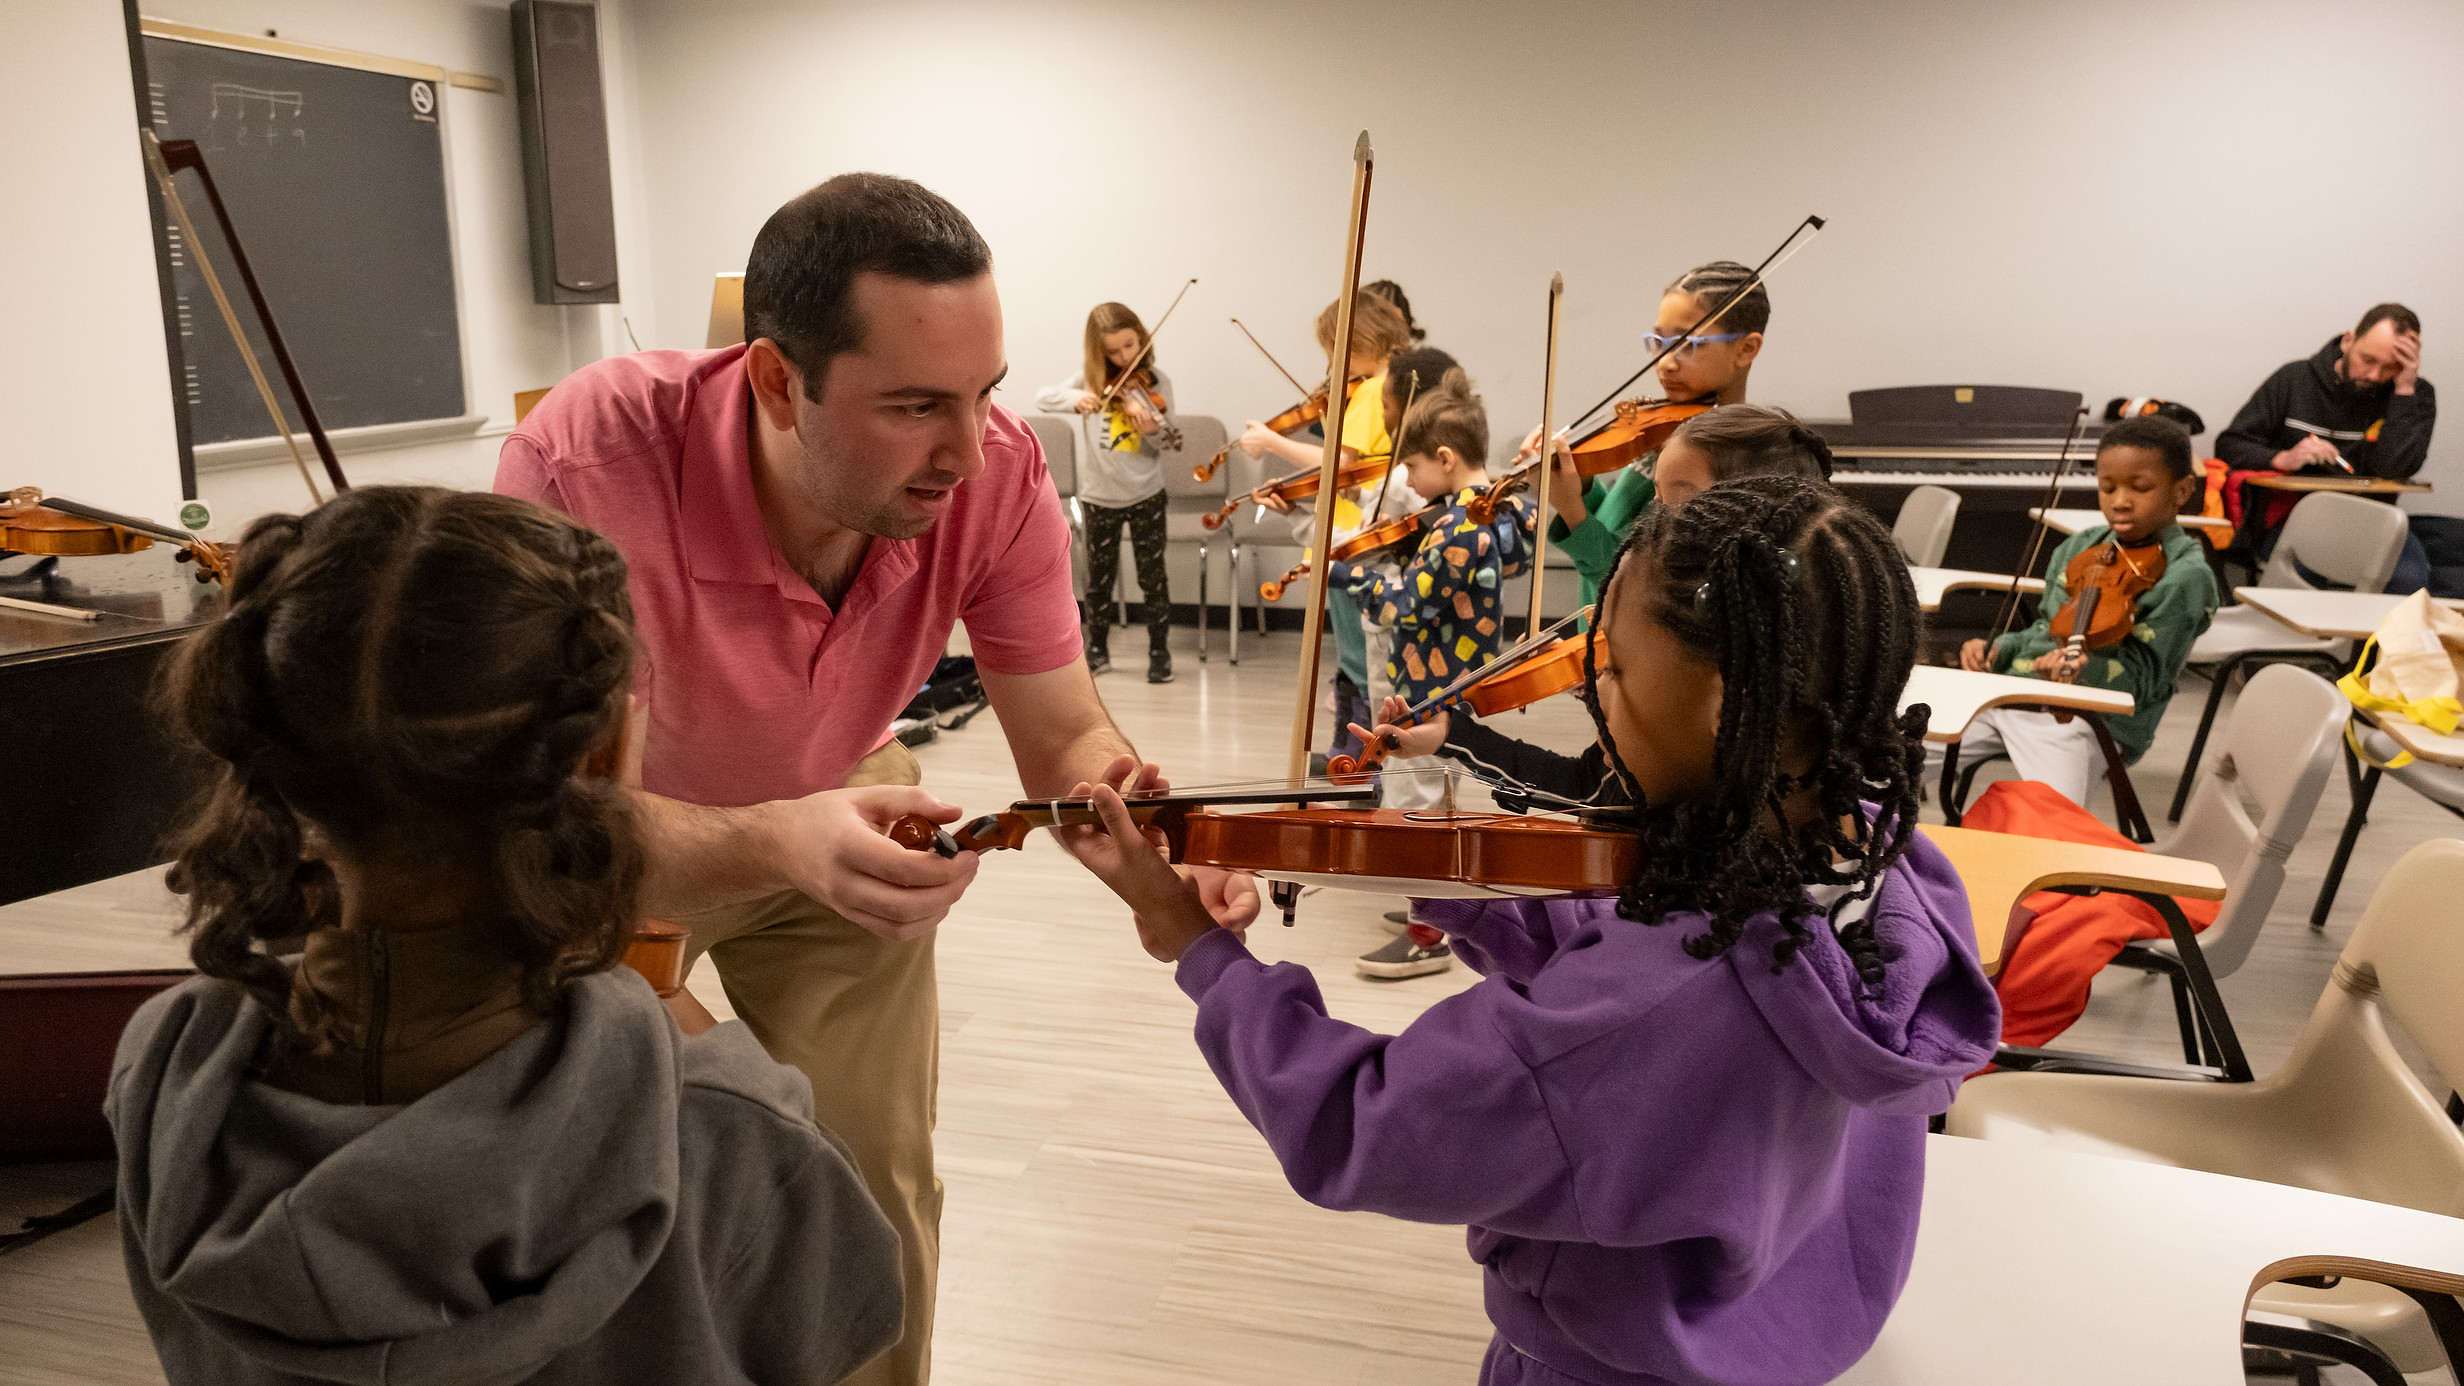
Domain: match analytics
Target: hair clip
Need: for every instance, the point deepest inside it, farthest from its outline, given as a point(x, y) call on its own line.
point(1788, 561)
point(1702, 600)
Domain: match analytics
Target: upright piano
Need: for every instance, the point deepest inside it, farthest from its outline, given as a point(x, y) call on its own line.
point(1996, 445)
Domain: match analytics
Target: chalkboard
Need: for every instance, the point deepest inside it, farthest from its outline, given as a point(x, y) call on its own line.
point(335, 178)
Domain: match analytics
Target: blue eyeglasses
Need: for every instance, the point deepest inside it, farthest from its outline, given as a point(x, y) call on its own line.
point(1685, 346)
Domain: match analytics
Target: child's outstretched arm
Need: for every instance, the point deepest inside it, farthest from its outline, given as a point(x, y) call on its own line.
point(1172, 911)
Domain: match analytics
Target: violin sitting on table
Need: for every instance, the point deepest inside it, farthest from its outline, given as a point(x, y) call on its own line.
point(33, 524)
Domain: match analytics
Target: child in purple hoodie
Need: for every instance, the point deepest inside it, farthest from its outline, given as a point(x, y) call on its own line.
point(1686, 1125)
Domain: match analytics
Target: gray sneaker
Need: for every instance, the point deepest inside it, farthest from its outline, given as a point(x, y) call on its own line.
point(1403, 958)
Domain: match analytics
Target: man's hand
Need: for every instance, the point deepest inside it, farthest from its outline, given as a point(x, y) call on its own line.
point(1421, 740)
point(834, 847)
point(1172, 911)
point(1976, 657)
point(2408, 361)
point(2310, 451)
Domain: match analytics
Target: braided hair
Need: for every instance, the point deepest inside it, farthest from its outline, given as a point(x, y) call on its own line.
point(418, 670)
point(1711, 285)
point(1803, 603)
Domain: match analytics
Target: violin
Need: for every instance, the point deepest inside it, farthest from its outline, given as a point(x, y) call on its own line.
point(1419, 852)
point(1637, 428)
point(2104, 584)
point(1376, 539)
point(30, 523)
point(1167, 434)
point(1301, 486)
point(1299, 416)
point(1529, 672)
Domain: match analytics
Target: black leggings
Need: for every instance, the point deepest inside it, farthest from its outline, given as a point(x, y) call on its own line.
point(1146, 544)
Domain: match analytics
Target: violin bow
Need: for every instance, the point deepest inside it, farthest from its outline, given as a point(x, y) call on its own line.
point(1270, 356)
point(1338, 368)
point(1548, 409)
point(1808, 228)
point(2034, 546)
point(1151, 334)
point(160, 159)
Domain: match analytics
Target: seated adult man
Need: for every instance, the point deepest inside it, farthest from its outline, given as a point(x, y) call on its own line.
point(2360, 398)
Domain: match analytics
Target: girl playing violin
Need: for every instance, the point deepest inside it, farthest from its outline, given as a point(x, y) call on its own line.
point(1686, 1124)
point(451, 1135)
point(1379, 330)
point(2143, 479)
point(1121, 477)
point(1592, 517)
point(1728, 442)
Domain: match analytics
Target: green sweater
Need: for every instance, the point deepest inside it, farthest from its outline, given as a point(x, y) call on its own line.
point(1615, 503)
point(2172, 615)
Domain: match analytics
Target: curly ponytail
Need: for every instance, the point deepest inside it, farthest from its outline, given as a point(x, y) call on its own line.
point(1804, 605)
point(409, 669)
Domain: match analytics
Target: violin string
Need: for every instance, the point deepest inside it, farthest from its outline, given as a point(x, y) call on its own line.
point(2034, 548)
point(1270, 357)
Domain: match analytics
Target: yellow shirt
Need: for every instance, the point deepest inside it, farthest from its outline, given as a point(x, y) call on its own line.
point(1364, 431)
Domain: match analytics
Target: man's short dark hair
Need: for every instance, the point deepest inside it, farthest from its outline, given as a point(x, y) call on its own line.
point(799, 280)
point(2405, 319)
point(2157, 434)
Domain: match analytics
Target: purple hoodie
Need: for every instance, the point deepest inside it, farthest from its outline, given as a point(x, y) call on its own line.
point(1674, 1170)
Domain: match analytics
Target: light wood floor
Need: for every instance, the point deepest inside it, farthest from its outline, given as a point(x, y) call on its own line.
point(1111, 1218)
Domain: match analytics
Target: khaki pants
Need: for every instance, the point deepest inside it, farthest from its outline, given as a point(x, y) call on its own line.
point(861, 1016)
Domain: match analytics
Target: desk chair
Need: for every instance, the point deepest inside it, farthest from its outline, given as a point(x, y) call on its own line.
point(1251, 527)
point(2345, 1115)
point(1923, 529)
point(2442, 785)
point(2279, 747)
point(2344, 539)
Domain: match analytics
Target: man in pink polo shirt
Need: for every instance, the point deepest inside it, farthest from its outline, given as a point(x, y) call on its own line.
point(805, 518)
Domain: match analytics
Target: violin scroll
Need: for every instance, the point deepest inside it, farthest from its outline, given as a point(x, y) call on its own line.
point(992, 832)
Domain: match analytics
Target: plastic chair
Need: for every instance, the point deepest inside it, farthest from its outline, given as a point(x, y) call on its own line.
point(1923, 528)
point(2442, 785)
point(1202, 436)
point(1059, 435)
point(2279, 748)
point(2345, 1114)
point(2344, 539)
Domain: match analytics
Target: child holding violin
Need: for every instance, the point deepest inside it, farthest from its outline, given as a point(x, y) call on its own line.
point(2143, 479)
point(1731, 441)
point(1592, 516)
point(1121, 476)
point(1685, 1124)
point(1379, 330)
point(412, 1120)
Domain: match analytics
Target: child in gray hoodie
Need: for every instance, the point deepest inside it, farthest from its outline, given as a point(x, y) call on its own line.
point(450, 1140)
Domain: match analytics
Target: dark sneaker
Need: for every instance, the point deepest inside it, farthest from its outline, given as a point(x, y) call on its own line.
point(1098, 657)
point(1398, 920)
point(1403, 958)
point(1159, 665)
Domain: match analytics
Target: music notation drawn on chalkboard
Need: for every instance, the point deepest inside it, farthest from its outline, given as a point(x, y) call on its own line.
point(239, 102)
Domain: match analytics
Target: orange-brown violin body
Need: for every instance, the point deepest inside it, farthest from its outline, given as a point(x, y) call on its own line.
point(30, 525)
point(1301, 486)
point(1300, 415)
point(1640, 427)
point(1544, 675)
point(2106, 583)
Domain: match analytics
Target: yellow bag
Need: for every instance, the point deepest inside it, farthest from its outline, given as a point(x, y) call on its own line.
point(2415, 677)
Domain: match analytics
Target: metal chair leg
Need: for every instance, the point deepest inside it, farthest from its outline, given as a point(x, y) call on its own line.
point(2344, 847)
point(2198, 744)
point(1202, 571)
point(1951, 784)
point(1235, 556)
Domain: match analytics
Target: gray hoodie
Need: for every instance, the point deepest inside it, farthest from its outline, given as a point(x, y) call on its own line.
point(601, 1200)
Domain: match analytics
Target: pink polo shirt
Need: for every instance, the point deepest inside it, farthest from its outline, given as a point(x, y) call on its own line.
point(757, 689)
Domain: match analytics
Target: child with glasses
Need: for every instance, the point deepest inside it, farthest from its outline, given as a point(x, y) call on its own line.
point(1711, 365)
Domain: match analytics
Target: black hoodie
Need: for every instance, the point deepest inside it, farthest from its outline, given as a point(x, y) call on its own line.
point(2380, 432)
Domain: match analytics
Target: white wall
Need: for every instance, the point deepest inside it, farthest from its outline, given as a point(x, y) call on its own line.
point(2163, 199)
point(84, 383)
point(509, 342)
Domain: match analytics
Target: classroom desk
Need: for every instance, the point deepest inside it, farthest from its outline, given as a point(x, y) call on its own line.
point(2002, 869)
point(1955, 696)
point(2350, 485)
point(2073, 521)
point(1933, 583)
point(2040, 1267)
point(2424, 743)
point(2329, 615)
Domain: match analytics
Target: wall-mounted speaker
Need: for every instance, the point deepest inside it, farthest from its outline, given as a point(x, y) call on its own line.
point(564, 151)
